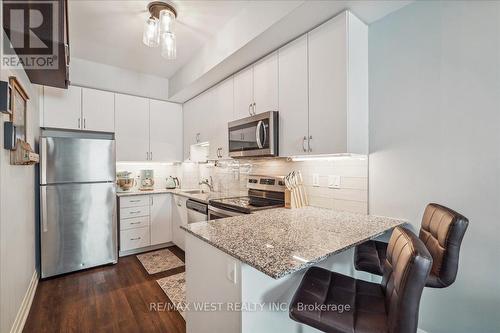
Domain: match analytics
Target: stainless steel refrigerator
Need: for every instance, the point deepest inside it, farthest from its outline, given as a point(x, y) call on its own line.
point(77, 202)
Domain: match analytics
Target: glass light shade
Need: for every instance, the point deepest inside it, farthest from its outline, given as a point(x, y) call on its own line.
point(167, 20)
point(168, 46)
point(150, 36)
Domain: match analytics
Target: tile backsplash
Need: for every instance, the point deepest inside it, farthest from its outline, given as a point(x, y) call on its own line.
point(161, 171)
point(231, 177)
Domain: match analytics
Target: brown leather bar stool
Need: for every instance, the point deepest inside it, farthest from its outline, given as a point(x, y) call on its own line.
point(391, 306)
point(442, 232)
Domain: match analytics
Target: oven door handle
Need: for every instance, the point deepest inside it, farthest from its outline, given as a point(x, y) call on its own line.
point(260, 127)
point(225, 212)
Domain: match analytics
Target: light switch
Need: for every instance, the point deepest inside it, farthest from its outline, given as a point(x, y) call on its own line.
point(333, 181)
point(316, 179)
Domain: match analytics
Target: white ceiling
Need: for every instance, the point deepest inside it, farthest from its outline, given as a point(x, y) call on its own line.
point(110, 32)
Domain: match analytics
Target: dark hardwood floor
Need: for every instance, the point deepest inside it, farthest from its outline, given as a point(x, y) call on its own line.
point(113, 298)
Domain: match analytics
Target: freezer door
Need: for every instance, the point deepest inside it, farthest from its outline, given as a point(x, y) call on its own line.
point(78, 227)
point(73, 160)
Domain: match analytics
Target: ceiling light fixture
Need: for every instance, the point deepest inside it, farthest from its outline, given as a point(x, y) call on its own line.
point(159, 28)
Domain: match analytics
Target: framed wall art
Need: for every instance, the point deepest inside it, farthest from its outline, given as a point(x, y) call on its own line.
point(18, 108)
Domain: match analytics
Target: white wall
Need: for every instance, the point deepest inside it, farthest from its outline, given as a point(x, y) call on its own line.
point(435, 136)
point(100, 76)
point(17, 214)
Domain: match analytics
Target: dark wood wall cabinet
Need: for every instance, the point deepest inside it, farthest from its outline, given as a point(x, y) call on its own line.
point(38, 32)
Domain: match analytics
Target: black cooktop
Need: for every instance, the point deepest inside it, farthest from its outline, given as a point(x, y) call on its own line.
point(246, 204)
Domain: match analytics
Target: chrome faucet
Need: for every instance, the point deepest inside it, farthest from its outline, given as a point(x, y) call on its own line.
point(209, 183)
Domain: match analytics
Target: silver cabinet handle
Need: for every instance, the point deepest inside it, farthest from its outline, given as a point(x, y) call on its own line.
point(304, 143)
point(150, 155)
point(135, 222)
point(79, 123)
point(250, 109)
point(197, 137)
point(137, 238)
point(84, 122)
point(309, 143)
point(254, 107)
point(147, 156)
point(135, 212)
point(135, 200)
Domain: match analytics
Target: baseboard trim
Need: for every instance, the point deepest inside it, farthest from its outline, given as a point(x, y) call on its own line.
point(144, 249)
point(25, 307)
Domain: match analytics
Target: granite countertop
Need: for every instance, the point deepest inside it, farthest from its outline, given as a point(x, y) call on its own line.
point(202, 197)
point(282, 241)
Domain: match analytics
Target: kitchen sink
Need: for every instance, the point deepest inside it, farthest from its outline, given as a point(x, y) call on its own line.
point(194, 191)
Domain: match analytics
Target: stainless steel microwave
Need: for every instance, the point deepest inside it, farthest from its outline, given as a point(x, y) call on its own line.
point(255, 136)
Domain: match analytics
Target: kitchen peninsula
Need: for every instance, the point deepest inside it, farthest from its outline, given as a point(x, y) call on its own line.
point(256, 262)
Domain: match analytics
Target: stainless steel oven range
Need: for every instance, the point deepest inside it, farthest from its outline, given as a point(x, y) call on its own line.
point(264, 192)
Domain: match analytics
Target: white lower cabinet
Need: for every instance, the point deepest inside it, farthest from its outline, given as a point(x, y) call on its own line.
point(132, 239)
point(161, 219)
point(145, 221)
point(179, 218)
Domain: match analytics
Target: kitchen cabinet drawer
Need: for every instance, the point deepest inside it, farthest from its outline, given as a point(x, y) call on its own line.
point(126, 213)
point(135, 222)
point(134, 238)
point(134, 201)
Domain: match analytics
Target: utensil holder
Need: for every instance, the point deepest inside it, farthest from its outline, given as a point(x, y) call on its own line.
point(288, 198)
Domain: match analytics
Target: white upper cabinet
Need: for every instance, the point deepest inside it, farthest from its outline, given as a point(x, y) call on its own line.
point(338, 86)
point(265, 84)
point(204, 121)
point(98, 110)
point(62, 108)
point(78, 109)
point(189, 110)
point(222, 113)
point(256, 88)
point(293, 97)
point(318, 83)
point(161, 219)
point(243, 94)
point(165, 131)
point(199, 120)
point(132, 128)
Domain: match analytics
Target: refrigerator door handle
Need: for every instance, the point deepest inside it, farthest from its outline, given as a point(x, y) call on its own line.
point(43, 160)
point(43, 208)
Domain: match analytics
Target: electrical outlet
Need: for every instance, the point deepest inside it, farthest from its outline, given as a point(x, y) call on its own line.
point(315, 179)
point(333, 181)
